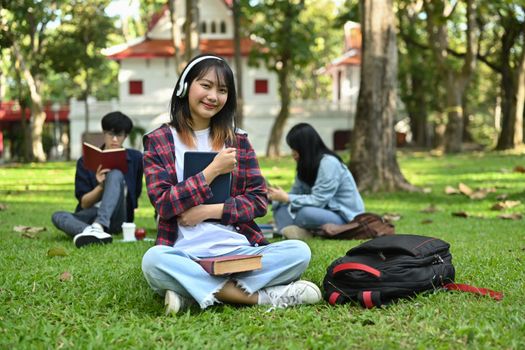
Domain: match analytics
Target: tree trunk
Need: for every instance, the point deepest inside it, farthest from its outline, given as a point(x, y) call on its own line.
point(191, 30)
point(273, 149)
point(512, 96)
point(26, 136)
point(87, 92)
point(373, 149)
point(175, 36)
point(417, 110)
point(456, 81)
point(195, 28)
point(38, 115)
point(467, 136)
point(520, 100)
point(454, 128)
point(238, 61)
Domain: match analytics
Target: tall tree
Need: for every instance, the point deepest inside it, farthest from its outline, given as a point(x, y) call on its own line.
point(76, 44)
point(286, 48)
point(326, 45)
point(504, 53)
point(373, 149)
point(191, 30)
point(175, 35)
point(237, 14)
point(416, 72)
point(456, 79)
point(24, 27)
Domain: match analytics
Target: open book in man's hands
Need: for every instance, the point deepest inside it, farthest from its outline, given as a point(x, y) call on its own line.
point(231, 264)
point(108, 158)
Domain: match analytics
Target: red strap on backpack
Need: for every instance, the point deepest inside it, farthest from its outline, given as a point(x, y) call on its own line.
point(471, 289)
point(356, 266)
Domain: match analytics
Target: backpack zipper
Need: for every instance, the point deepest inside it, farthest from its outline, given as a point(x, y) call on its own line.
point(438, 259)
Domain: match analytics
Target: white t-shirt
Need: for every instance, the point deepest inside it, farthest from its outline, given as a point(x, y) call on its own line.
point(204, 239)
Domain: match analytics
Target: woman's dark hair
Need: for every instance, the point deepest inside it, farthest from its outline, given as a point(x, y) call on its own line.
point(303, 139)
point(117, 122)
point(222, 125)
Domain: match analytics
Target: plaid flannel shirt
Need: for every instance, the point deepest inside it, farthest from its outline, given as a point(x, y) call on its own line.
point(170, 198)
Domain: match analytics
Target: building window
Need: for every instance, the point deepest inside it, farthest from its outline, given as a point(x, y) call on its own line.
point(203, 27)
point(261, 86)
point(135, 87)
point(223, 27)
point(213, 27)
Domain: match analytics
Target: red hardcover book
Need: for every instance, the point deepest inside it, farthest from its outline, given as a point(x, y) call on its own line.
point(231, 264)
point(109, 158)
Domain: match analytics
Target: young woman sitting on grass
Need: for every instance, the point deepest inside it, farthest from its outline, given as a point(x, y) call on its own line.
point(323, 192)
point(202, 119)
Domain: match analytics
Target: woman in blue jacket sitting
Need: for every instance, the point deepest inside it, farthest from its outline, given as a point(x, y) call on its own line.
point(323, 192)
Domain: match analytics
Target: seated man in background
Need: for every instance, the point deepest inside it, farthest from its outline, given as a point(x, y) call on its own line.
point(107, 197)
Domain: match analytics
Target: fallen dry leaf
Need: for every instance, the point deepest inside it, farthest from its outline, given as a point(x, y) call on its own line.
point(461, 214)
point(464, 189)
point(3, 206)
point(30, 229)
point(29, 235)
point(519, 169)
point(391, 217)
point(514, 216)
point(427, 221)
point(505, 205)
point(56, 251)
point(479, 194)
point(430, 209)
point(451, 190)
point(65, 276)
point(502, 197)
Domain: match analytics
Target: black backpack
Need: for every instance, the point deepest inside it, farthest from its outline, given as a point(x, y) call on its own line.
point(386, 268)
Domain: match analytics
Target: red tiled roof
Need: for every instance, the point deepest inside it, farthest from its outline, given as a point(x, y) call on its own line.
point(150, 48)
point(157, 16)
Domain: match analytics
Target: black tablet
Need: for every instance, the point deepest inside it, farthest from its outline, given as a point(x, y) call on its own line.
point(195, 162)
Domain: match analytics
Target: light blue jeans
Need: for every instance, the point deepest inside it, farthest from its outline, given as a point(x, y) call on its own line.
point(111, 213)
point(169, 268)
point(306, 217)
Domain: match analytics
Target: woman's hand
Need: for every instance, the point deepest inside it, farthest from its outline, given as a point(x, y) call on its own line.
point(199, 213)
point(224, 162)
point(100, 175)
point(278, 194)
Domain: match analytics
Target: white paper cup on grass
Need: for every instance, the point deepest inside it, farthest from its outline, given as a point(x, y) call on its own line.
point(128, 231)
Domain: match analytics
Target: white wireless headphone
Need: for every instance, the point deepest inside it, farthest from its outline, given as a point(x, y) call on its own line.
point(183, 85)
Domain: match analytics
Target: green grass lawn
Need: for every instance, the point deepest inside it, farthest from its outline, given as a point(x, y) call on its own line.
point(108, 305)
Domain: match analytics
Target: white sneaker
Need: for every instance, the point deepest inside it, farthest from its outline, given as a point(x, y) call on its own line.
point(176, 303)
point(296, 232)
point(295, 293)
point(92, 234)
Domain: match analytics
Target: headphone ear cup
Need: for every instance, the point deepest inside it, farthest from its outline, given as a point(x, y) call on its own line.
point(182, 92)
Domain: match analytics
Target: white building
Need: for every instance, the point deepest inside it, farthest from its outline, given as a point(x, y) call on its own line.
point(147, 78)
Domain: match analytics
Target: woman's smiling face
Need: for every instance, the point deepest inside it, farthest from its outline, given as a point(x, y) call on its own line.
point(206, 97)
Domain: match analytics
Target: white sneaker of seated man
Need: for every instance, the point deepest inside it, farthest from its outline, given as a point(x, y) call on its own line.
point(295, 293)
point(91, 235)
